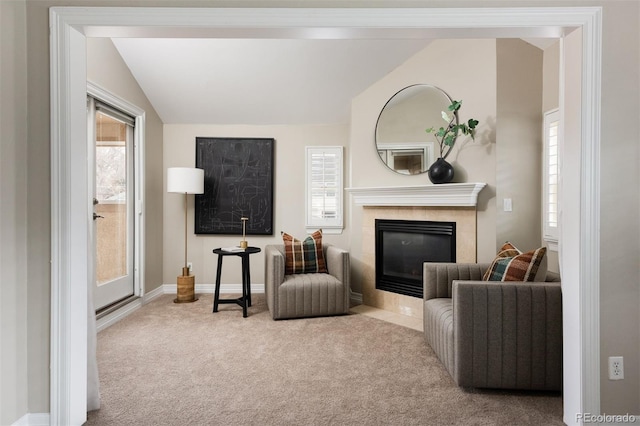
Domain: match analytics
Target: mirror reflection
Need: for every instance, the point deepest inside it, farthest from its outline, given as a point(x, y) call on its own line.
point(401, 138)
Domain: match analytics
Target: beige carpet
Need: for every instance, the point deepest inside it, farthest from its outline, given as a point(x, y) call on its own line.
point(170, 364)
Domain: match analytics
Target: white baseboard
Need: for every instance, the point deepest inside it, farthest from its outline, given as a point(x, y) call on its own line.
point(33, 419)
point(149, 296)
point(356, 298)
point(125, 310)
point(118, 314)
point(210, 288)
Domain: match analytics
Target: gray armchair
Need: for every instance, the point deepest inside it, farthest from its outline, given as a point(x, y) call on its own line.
point(307, 295)
point(489, 334)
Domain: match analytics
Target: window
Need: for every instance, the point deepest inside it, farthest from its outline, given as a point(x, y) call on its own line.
point(324, 189)
point(407, 158)
point(550, 178)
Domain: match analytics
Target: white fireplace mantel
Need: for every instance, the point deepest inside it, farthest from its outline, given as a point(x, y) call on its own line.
point(443, 195)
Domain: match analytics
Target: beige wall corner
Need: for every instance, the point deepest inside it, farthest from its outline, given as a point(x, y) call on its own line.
point(550, 101)
point(519, 143)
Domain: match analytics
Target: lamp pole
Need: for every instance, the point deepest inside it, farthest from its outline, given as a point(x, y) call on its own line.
point(185, 180)
point(185, 269)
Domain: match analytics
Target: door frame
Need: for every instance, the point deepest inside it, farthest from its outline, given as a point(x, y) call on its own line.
point(138, 114)
point(70, 25)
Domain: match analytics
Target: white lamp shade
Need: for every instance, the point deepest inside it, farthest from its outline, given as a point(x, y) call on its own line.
point(187, 180)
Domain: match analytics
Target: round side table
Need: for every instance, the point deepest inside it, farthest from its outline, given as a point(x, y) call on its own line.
point(245, 300)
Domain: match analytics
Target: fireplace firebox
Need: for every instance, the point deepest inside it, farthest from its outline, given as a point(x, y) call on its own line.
point(402, 246)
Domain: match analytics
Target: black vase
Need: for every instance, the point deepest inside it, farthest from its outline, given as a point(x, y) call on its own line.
point(441, 171)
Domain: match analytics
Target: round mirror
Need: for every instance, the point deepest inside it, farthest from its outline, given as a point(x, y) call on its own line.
point(401, 137)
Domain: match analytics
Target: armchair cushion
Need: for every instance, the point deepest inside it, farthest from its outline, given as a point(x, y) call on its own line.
point(494, 334)
point(304, 257)
point(512, 265)
point(311, 294)
point(507, 335)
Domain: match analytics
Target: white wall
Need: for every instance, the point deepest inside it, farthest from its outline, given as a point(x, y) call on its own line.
point(288, 203)
point(13, 213)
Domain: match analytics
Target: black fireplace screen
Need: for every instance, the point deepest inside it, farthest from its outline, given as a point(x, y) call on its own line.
point(402, 246)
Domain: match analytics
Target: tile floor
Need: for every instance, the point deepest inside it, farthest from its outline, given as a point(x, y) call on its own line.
point(392, 317)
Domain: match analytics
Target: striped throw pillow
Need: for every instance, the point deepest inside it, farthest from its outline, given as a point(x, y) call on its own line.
point(512, 265)
point(304, 257)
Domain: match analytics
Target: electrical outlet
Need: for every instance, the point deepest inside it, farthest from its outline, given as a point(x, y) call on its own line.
point(190, 266)
point(616, 368)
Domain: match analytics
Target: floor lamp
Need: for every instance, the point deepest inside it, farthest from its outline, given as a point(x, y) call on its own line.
point(185, 180)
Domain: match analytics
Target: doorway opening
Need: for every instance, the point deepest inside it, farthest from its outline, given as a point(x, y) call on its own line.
point(70, 26)
point(115, 182)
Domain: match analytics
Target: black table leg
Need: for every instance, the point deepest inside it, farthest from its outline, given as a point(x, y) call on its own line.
point(216, 297)
point(246, 277)
point(245, 301)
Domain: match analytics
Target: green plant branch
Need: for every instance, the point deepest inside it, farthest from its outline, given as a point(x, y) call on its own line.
point(446, 136)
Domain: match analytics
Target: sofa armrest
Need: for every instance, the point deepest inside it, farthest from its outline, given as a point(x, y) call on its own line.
point(273, 265)
point(508, 335)
point(437, 278)
point(337, 260)
point(273, 273)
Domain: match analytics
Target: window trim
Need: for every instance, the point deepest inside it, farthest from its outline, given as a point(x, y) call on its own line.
point(328, 226)
point(549, 234)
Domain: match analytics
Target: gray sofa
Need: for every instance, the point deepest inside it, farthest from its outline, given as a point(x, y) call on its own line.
point(307, 295)
point(494, 334)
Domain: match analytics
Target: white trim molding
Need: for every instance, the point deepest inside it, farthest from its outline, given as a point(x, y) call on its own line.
point(33, 419)
point(120, 313)
point(445, 195)
point(355, 298)
point(589, 321)
point(69, 248)
point(320, 162)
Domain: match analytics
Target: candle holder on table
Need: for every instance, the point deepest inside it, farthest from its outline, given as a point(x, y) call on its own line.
point(244, 244)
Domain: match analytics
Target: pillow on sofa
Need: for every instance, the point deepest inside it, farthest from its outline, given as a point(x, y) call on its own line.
point(511, 264)
point(303, 257)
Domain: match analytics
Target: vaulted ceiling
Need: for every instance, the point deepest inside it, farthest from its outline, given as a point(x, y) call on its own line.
point(266, 81)
point(259, 81)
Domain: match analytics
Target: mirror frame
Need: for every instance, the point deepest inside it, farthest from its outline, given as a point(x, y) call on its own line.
point(428, 148)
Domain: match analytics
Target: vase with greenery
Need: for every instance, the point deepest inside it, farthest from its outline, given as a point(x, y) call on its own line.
point(441, 171)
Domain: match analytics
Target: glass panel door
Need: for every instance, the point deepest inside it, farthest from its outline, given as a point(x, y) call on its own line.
point(113, 208)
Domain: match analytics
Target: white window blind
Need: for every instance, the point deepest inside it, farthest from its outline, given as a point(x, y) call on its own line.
point(324, 189)
point(551, 174)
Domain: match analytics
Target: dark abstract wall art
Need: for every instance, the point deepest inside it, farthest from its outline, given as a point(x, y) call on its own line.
point(238, 182)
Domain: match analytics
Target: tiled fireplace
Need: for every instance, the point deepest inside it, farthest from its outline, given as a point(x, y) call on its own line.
point(402, 247)
point(438, 203)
